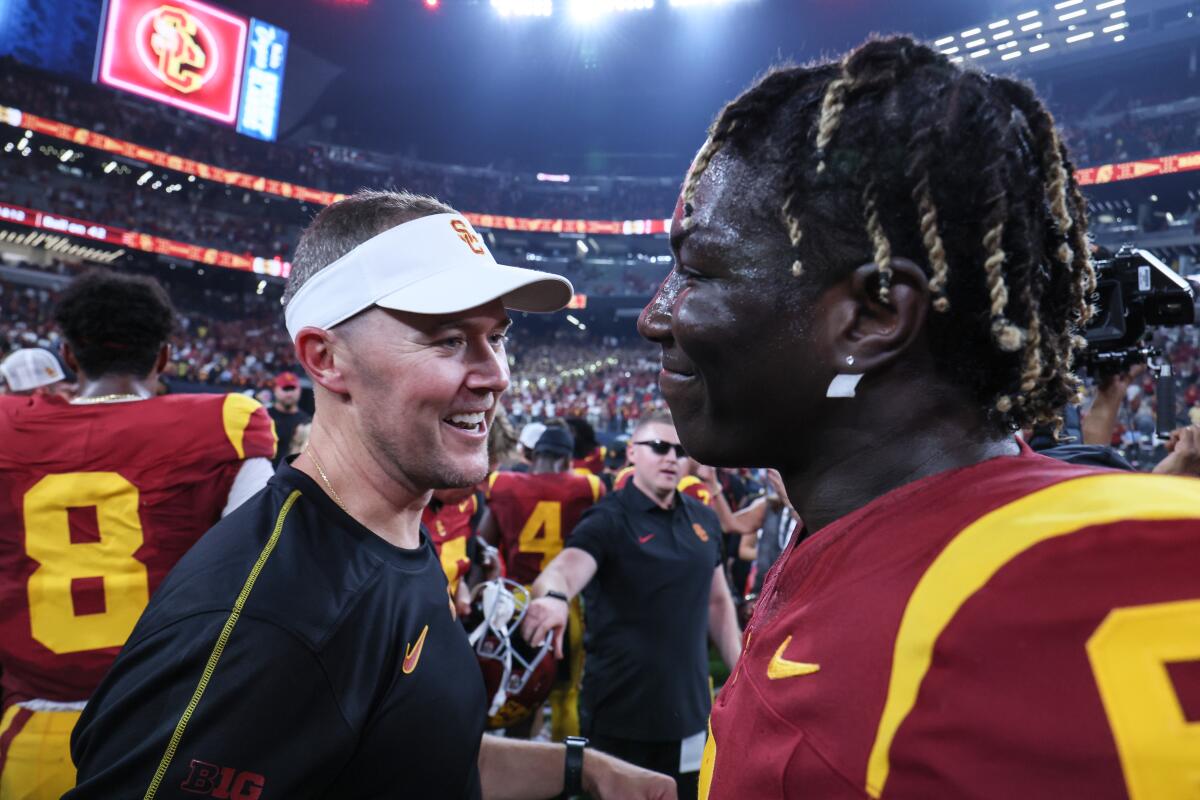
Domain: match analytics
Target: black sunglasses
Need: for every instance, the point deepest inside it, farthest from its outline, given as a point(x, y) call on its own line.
point(661, 448)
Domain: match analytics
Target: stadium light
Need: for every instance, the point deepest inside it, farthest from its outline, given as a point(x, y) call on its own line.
point(523, 8)
point(694, 3)
point(1072, 15)
point(1027, 15)
point(1079, 37)
point(590, 10)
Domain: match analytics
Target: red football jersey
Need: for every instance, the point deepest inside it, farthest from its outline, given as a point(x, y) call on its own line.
point(97, 503)
point(1018, 628)
point(449, 530)
point(593, 462)
point(536, 514)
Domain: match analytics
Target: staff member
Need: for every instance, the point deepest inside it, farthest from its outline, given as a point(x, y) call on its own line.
point(648, 561)
point(306, 646)
point(287, 415)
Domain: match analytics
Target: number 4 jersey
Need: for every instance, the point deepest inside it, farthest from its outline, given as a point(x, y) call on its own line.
point(97, 503)
point(1021, 628)
point(535, 514)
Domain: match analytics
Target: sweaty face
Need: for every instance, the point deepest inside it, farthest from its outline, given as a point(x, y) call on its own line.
point(657, 473)
point(424, 389)
point(738, 368)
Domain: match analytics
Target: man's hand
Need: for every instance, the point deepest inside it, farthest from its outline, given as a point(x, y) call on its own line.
point(608, 778)
point(1183, 453)
point(547, 616)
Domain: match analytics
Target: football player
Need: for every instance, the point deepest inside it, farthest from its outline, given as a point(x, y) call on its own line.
point(102, 495)
point(449, 521)
point(961, 616)
point(529, 517)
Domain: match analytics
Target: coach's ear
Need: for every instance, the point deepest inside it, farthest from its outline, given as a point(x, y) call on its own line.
point(164, 358)
point(315, 350)
point(68, 357)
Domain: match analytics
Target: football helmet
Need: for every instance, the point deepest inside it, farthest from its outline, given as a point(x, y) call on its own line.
point(517, 675)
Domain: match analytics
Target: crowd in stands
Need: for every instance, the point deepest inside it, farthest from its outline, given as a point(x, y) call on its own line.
point(228, 341)
point(237, 341)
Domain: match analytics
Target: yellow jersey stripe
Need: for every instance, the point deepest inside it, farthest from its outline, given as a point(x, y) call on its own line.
point(235, 415)
point(982, 548)
point(222, 640)
point(594, 482)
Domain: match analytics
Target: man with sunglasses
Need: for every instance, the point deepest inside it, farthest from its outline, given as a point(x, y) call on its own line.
point(647, 559)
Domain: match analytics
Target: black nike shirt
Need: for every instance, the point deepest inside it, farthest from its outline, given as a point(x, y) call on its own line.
point(292, 653)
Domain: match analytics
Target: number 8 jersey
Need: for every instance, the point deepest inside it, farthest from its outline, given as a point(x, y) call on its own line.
point(97, 503)
point(1020, 628)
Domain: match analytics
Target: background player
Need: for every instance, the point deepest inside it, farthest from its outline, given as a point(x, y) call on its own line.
point(449, 519)
point(100, 498)
point(967, 618)
point(530, 516)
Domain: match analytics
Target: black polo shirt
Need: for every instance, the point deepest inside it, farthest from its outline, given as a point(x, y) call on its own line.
point(646, 627)
point(294, 652)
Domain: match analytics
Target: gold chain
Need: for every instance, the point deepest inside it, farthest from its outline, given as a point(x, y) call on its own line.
point(321, 470)
point(106, 398)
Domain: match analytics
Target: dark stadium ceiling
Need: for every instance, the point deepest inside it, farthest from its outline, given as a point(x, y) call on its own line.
point(629, 95)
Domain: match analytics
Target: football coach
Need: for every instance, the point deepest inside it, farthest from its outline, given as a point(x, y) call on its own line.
point(306, 646)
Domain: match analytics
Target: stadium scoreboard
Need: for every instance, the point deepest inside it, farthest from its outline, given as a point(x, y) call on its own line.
point(198, 57)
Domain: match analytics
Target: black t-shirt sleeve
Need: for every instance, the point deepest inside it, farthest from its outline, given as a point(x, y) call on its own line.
point(268, 717)
point(596, 532)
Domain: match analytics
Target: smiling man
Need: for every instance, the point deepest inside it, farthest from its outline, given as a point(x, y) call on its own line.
point(307, 647)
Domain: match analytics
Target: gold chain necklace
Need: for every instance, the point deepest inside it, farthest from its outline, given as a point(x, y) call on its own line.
point(321, 470)
point(106, 398)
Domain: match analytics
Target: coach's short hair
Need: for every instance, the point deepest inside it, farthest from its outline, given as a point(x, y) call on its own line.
point(346, 224)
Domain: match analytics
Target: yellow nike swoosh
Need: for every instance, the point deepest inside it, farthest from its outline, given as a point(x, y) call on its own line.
point(781, 667)
point(412, 654)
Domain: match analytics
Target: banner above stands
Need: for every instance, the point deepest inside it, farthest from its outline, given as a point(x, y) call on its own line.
point(141, 241)
point(257, 183)
point(1107, 173)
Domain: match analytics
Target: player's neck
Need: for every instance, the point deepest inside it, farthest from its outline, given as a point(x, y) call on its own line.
point(112, 385)
point(288, 408)
point(852, 467)
point(378, 501)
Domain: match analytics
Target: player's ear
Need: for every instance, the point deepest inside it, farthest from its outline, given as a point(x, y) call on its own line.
point(856, 323)
point(315, 351)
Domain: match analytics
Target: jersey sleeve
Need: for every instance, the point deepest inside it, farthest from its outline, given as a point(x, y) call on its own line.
point(596, 486)
point(594, 534)
point(248, 427)
point(694, 487)
point(155, 721)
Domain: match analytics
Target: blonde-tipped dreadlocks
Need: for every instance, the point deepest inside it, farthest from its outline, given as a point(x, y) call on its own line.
point(894, 151)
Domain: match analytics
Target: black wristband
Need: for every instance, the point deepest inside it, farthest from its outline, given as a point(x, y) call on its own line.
point(558, 596)
point(573, 770)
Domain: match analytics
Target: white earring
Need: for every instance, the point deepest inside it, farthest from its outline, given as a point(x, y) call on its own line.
point(850, 361)
point(843, 385)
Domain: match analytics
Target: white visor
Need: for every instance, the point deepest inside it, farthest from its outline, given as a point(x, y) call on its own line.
point(432, 265)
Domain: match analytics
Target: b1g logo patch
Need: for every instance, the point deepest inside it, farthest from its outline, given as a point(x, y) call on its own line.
point(224, 783)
